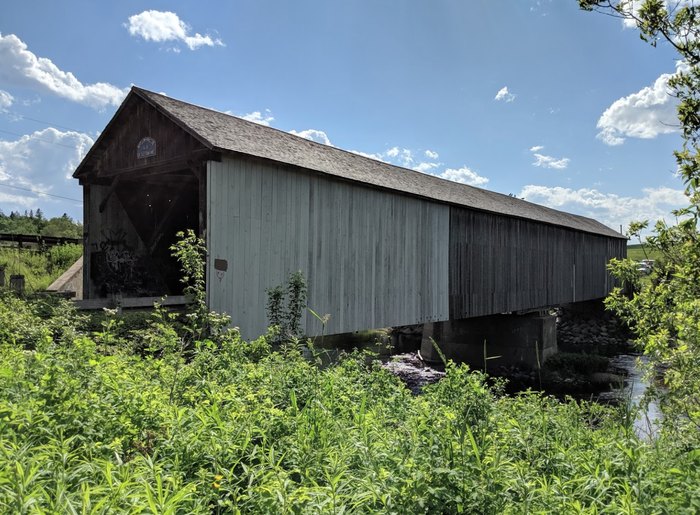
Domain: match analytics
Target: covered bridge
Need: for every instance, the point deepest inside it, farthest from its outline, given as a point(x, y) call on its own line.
point(379, 245)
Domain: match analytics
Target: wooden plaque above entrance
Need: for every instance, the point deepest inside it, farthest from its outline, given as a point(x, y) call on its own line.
point(146, 148)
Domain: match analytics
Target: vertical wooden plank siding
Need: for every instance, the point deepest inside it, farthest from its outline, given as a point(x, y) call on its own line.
point(371, 258)
point(101, 226)
point(374, 259)
point(500, 264)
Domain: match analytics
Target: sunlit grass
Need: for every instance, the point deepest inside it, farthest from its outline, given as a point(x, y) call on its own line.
point(147, 420)
point(39, 268)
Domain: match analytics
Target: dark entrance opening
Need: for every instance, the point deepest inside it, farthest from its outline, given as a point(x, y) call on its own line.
point(159, 207)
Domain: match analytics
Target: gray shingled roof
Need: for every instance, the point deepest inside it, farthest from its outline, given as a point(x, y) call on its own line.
point(228, 133)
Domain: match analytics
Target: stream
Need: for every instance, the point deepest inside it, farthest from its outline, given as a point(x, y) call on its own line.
point(405, 363)
point(648, 421)
point(416, 374)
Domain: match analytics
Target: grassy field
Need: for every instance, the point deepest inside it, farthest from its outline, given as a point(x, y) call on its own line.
point(637, 253)
point(39, 267)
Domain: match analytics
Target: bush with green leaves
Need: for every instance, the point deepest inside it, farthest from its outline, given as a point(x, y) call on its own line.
point(285, 307)
point(200, 421)
point(665, 312)
point(234, 427)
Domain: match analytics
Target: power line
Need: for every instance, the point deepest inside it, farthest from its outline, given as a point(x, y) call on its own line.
point(40, 192)
point(38, 139)
point(44, 122)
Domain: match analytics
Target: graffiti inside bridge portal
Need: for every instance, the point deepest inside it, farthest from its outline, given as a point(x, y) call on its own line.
point(114, 264)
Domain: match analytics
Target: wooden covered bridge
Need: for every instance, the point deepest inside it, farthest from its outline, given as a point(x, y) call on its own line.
point(379, 245)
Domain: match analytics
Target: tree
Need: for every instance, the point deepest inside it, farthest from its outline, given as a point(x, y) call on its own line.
point(62, 226)
point(665, 314)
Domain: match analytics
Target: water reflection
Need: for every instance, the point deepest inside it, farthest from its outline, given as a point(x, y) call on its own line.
point(648, 421)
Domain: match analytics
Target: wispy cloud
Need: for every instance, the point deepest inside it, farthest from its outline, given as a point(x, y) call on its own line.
point(20, 67)
point(424, 161)
point(406, 158)
point(6, 100)
point(545, 161)
point(163, 26)
point(426, 167)
point(538, 7)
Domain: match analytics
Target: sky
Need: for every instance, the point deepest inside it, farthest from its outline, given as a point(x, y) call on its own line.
point(533, 98)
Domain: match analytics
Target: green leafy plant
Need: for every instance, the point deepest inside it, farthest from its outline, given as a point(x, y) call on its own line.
point(285, 307)
point(665, 312)
point(235, 427)
point(190, 251)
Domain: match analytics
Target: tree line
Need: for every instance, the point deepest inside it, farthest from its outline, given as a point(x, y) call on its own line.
point(35, 223)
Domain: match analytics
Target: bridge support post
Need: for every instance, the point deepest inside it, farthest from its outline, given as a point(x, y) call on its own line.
point(511, 340)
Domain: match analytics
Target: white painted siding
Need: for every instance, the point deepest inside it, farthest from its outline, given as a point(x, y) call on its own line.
point(371, 258)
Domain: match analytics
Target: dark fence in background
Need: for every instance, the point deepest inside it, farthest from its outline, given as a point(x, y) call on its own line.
point(22, 240)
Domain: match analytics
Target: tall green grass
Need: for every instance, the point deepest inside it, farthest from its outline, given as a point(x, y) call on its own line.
point(39, 267)
point(152, 421)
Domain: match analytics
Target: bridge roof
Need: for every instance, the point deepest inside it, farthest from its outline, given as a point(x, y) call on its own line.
point(223, 132)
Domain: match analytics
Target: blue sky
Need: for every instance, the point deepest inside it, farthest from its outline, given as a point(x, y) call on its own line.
point(529, 97)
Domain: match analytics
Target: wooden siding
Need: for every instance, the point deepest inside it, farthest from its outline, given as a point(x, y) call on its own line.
point(500, 264)
point(371, 258)
point(101, 228)
point(137, 120)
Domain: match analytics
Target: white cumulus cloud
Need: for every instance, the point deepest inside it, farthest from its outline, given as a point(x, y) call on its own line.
point(398, 156)
point(406, 158)
point(632, 8)
point(313, 135)
point(43, 161)
point(505, 95)
point(536, 148)
point(463, 175)
point(20, 67)
point(392, 152)
point(260, 118)
point(426, 167)
point(162, 26)
point(609, 208)
point(644, 114)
